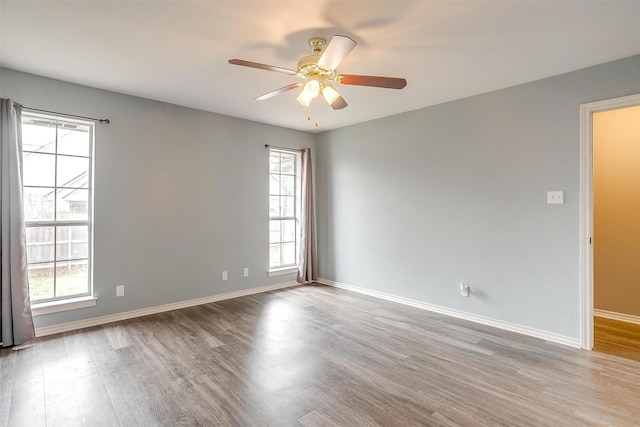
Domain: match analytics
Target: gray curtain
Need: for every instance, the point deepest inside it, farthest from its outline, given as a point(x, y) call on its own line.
point(307, 265)
point(16, 322)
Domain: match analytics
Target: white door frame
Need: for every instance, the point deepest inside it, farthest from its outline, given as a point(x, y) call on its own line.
point(586, 209)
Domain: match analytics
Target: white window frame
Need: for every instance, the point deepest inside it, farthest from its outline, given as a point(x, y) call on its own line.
point(288, 268)
point(84, 299)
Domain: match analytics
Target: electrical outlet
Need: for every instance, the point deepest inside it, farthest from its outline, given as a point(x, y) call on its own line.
point(120, 290)
point(246, 272)
point(225, 275)
point(464, 289)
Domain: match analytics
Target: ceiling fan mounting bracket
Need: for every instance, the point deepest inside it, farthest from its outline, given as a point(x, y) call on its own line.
point(317, 44)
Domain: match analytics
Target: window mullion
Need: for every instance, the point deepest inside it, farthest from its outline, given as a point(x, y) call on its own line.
point(280, 200)
point(282, 242)
point(70, 223)
point(55, 215)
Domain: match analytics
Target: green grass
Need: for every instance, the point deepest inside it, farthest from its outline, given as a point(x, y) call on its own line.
point(68, 282)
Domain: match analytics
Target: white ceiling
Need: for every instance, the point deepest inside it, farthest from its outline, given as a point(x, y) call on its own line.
point(177, 51)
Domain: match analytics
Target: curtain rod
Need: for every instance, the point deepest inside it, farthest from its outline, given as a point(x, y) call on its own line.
point(282, 148)
point(103, 121)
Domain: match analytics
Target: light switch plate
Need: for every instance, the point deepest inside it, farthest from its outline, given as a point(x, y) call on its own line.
point(555, 197)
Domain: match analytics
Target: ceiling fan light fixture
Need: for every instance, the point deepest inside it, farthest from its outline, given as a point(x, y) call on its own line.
point(312, 87)
point(304, 98)
point(330, 94)
point(310, 91)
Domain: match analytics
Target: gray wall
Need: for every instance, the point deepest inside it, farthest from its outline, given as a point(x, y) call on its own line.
point(411, 205)
point(180, 196)
point(408, 205)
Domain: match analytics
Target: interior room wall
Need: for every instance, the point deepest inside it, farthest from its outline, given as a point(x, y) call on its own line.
point(414, 204)
point(616, 176)
point(180, 195)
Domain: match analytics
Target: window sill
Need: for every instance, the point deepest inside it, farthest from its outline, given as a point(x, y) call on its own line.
point(282, 271)
point(62, 305)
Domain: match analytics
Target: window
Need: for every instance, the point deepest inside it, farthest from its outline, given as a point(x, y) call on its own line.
point(284, 208)
point(57, 185)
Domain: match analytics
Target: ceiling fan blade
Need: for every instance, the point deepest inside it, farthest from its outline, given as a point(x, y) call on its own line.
point(339, 103)
point(332, 97)
point(278, 91)
point(336, 50)
point(375, 81)
point(260, 66)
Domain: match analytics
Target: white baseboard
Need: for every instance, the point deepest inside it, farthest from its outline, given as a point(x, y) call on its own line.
point(617, 316)
point(525, 330)
point(96, 321)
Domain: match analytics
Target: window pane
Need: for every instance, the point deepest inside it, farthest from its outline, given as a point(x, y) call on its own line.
point(274, 185)
point(274, 231)
point(283, 204)
point(288, 185)
point(274, 255)
point(72, 204)
point(289, 231)
point(39, 244)
point(274, 163)
point(73, 139)
point(288, 163)
point(288, 206)
point(73, 171)
point(41, 138)
point(288, 253)
point(38, 204)
point(40, 281)
point(72, 242)
point(274, 206)
point(38, 169)
point(72, 277)
point(56, 187)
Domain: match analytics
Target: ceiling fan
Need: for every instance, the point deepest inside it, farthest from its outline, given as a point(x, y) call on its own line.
point(319, 69)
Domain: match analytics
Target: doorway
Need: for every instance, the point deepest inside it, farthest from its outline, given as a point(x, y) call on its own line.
point(609, 269)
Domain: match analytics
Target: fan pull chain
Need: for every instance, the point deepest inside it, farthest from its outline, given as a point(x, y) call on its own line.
point(309, 119)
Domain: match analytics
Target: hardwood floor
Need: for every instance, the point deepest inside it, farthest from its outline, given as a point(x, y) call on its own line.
point(616, 337)
point(311, 356)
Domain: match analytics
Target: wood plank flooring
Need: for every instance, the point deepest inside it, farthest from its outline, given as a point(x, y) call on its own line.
point(616, 337)
point(311, 356)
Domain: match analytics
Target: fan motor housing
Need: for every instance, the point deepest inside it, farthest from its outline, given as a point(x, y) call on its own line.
point(308, 68)
point(308, 65)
